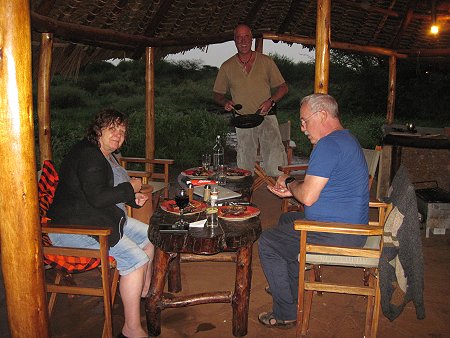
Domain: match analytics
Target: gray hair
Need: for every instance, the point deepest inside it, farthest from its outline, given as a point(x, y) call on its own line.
point(242, 25)
point(318, 102)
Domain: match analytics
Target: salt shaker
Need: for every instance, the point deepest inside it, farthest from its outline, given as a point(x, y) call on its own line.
point(206, 193)
point(190, 192)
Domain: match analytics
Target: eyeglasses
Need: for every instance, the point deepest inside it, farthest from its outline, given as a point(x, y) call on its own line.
point(303, 121)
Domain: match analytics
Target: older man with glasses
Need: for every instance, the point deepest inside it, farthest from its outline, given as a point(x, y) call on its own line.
point(335, 189)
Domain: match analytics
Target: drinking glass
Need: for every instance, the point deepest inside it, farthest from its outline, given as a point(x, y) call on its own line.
point(222, 175)
point(182, 201)
point(206, 161)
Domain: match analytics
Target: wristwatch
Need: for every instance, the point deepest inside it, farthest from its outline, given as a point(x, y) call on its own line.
point(288, 180)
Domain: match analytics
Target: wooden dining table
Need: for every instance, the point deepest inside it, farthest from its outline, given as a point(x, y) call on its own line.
point(232, 241)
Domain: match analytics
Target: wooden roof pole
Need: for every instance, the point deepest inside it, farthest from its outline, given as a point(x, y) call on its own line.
point(259, 45)
point(323, 39)
point(149, 105)
point(391, 89)
point(45, 65)
point(20, 235)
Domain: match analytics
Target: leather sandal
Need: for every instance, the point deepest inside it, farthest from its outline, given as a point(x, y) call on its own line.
point(268, 319)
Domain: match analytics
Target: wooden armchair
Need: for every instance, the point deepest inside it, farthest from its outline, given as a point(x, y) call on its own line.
point(322, 255)
point(159, 180)
point(68, 261)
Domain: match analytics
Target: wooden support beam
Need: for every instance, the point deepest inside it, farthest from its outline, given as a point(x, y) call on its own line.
point(391, 89)
point(149, 105)
point(374, 50)
point(323, 38)
point(44, 78)
point(20, 234)
point(259, 45)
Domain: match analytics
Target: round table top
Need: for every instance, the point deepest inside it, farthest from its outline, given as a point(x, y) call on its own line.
point(228, 236)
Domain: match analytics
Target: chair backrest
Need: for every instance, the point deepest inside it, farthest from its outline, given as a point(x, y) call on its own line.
point(47, 185)
point(373, 159)
point(285, 132)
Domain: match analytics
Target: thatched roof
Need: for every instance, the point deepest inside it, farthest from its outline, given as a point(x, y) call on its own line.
point(91, 30)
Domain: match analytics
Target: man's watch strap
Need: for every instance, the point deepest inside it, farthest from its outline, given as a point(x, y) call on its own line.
point(288, 180)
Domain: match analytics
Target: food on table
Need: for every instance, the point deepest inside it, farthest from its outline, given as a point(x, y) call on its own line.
point(237, 172)
point(234, 210)
point(198, 172)
point(193, 207)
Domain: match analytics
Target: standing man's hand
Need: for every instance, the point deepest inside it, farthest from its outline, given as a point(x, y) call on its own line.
point(229, 105)
point(266, 107)
point(223, 101)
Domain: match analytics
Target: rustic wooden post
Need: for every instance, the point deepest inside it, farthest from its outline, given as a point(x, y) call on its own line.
point(323, 39)
point(149, 105)
point(391, 89)
point(20, 236)
point(45, 65)
point(259, 44)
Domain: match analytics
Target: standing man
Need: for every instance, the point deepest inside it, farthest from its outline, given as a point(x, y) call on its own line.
point(335, 189)
point(250, 77)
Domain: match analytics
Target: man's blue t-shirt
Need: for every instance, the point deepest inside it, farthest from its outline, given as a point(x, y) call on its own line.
point(345, 198)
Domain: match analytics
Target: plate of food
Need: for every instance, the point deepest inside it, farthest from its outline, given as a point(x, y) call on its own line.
point(194, 207)
point(237, 212)
point(197, 173)
point(237, 173)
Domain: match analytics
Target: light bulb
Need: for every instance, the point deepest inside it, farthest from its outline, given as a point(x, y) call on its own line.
point(434, 29)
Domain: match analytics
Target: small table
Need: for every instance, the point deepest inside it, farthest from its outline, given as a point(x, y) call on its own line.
point(230, 236)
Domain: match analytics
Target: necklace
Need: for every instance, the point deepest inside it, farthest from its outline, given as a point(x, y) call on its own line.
point(244, 63)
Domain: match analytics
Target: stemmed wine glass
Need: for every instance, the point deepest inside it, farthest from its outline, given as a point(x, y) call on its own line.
point(182, 201)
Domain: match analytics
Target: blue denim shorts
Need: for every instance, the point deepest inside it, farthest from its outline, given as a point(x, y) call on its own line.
point(128, 252)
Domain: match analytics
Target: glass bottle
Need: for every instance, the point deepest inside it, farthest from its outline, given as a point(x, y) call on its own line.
point(218, 153)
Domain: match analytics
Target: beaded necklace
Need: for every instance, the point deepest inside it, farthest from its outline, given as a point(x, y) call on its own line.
point(244, 63)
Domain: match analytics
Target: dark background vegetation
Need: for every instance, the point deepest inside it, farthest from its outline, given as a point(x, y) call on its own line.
point(187, 119)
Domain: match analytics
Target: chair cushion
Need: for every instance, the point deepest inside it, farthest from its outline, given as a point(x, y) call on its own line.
point(372, 242)
point(47, 185)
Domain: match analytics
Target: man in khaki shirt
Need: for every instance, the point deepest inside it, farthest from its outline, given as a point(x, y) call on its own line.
point(249, 77)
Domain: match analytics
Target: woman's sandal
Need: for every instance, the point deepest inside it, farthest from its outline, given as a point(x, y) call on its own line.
point(268, 319)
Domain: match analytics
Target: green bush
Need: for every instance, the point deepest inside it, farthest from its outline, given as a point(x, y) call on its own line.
point(186, 115)
point(66, 96)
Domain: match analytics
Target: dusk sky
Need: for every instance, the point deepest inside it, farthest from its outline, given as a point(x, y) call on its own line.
point(218, 53)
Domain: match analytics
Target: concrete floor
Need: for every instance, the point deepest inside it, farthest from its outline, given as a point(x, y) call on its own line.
point(332, 315)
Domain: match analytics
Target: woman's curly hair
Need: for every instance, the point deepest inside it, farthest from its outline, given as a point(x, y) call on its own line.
point(104, 119)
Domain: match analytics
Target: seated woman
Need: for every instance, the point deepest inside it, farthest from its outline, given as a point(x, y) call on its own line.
point(92, 190)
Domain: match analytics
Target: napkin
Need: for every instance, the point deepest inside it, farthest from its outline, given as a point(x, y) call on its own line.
point(196, 183)
point(197, 224)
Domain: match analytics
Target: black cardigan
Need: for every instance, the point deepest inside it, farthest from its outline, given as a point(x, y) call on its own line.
point(86, 194)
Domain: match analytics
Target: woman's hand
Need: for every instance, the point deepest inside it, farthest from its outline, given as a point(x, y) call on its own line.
point(140, 198)
point(136, 183)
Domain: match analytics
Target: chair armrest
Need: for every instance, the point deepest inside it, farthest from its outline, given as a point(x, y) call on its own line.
point(144, 160)
point(292, 167)
point(76, 230)
point(338, 228)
